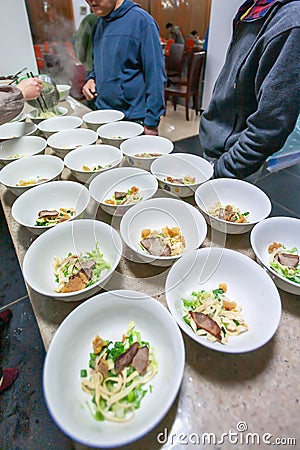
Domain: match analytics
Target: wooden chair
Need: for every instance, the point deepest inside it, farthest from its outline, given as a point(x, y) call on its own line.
point(174, 60)
point(191, 87)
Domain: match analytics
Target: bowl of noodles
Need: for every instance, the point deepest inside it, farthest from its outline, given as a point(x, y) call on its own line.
point(232, 206)
point(36, 116)
point(223, 300)
point(121, 319)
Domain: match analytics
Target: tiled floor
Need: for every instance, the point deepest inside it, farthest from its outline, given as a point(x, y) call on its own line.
point(25, 422)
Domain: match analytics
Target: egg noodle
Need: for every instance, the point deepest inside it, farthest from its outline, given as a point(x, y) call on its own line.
point(214, 304)
point(116, 396)
point(229, 213)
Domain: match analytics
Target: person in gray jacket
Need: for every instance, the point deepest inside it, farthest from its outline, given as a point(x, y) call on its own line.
point(256, 98)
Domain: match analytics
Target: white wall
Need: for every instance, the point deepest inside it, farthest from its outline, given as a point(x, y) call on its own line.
point(220, 30)
point(77, 4)
point(16, 49)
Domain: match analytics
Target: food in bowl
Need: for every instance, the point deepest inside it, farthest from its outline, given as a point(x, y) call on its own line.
point(118, 372)
point(128, 197)
point(95, 167)
point(164, 242)
point(76, 272)
point(147, 155)
point(229, 213)
point(17, 155)
point(49, 217)
point(31, 181)
point(212, 314)
point(187, 179)
point(285, 261)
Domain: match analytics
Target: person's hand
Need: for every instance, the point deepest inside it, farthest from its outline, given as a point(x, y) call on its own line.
point(89, 89)
point(30, 88)
point(153, 131)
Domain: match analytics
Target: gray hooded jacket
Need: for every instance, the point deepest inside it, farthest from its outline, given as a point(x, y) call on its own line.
point(256, 99)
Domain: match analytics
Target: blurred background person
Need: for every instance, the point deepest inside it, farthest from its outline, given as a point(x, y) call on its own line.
point(195, 36)
point(128, 64)
point(175, 33)
point(84, 41)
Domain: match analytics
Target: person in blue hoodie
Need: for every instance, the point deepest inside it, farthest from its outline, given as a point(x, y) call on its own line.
point(256, 99)
point(128, 65)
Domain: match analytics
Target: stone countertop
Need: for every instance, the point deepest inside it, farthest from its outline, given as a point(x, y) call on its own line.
point(252, 396)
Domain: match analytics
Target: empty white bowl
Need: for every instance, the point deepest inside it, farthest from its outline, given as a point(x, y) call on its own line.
point(179, 165)
point(247, 284)
point(95, 119)
point(283, 230)
point(39, 168)
point(228, 191)
point(148, 145)
point(78, 236)
point(13, 130)
point(108, 315)
point(90, 156)
point(117, 132)
point(64, 91)
point(156, 213)
point(121, 179)
point(20, 117)
point(56, 124)
point(67, 140)
point(17, 148)
point(53, 195)
point(37, 116)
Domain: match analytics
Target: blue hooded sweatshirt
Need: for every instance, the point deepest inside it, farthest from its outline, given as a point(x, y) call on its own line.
point(128, 64)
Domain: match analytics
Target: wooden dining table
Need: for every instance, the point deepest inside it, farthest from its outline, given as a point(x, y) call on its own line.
point(225, 399)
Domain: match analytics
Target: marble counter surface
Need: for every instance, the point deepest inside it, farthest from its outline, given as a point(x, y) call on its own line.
point(225, 400)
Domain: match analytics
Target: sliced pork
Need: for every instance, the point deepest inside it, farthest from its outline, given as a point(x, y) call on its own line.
point(206, 323)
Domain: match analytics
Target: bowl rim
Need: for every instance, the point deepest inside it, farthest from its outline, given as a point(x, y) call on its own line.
point(81, 189)
point(230, 180)
point(75, 130)
point(99, 111)
point(60, 118)
point(184, 156)
point(8, 167)
point(106, 125)
point(88, 147)
point(134, 299)
point(188, 330)
point(9, 141)
point(142, 137)
point(63, 110)
point(255, 231)
point(190, 207)
point(71, 223)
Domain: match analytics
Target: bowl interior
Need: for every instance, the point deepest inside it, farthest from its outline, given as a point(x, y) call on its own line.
point(56, 124)
point(146, 144)
point(70, 139)
point(37, 116)
point(252, 289)
point(91, 156)
point(121, 179)
point(154, 214)
point(36, 167)
point(283, 230)
point(109, 315)
point(78, 236)
point(179, 165)
point(52, 195)
point(120, 130)
point(21, 147)
point(16, 129)
point(243, 195)
point(103, 116)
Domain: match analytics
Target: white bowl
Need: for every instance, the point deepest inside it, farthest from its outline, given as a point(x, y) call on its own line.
point(179, 165)
point(56, 124)
point(39, 167)
point(117, 132)
point(78, 236)
point(36, 117)
point(145, 144)
point(106, 156)
point(121, 179)
point(243, 195)
point(67, 140)
point(20, 117)
point(284, 230)
point(155, 214)
point(17, 148)
point(52, 195)
point(13, 130)
point(109, 315)
point(247, 284)
point(64, 91)
point(95, 119)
